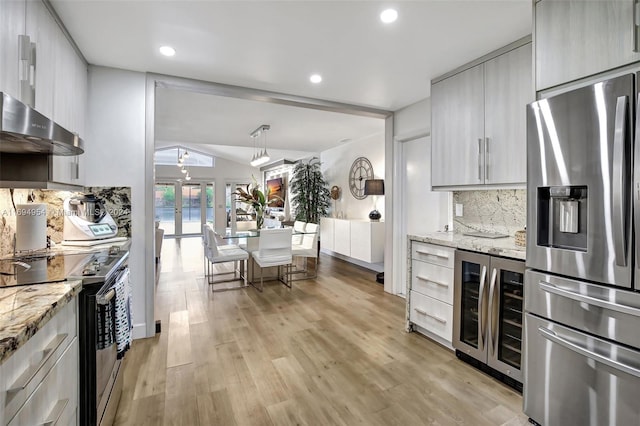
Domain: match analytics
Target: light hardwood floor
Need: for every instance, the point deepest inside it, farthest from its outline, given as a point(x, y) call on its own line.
point(331, 351)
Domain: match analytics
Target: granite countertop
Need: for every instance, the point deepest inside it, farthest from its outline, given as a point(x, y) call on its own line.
point(26, 309)
point(505, 247)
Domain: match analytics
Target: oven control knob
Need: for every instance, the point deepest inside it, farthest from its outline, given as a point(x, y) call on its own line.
point(88, 271)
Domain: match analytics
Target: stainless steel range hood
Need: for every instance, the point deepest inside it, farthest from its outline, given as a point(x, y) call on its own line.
point(23, 130)
point(29, 144)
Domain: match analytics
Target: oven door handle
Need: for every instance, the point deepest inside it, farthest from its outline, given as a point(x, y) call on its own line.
point(553, 336)
point(106, 298)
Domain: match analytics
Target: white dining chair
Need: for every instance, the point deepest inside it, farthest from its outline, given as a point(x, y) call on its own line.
point(298, 226)
point(308, 248)
point(274, 249)
point(215, 255)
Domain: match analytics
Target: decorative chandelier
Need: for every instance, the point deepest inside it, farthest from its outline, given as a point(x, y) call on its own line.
point(260, 157)
point(181, 158)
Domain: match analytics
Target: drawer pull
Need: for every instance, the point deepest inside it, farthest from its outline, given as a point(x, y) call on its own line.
point(56, 413)
point(442, 256)
point(425, 313)
point(26, 377)
point(420, 277)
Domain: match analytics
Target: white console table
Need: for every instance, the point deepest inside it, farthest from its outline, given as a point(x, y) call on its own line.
point(359, 239)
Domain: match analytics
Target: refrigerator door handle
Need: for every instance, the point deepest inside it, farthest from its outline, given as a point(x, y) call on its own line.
point(618, 184)
point(552, 336)
point(481, 316)
point(623, 309)
point(636, 174)
point(492, 327)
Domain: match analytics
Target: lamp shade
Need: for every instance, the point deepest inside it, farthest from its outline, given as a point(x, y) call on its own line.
point(374, 187)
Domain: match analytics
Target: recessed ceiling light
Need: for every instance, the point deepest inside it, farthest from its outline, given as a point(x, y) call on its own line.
point(315, 78)
point(167, 50)
point(388, 16)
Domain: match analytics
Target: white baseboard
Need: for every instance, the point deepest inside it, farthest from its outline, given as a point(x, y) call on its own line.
point(376, 267)
point(139, 331)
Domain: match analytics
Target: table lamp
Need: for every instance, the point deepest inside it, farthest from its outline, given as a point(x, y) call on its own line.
point(374, 187)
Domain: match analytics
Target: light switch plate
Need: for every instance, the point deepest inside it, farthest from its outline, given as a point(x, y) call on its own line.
point(458, 210)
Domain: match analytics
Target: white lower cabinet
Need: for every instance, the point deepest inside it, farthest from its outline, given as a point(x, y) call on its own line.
point(39, 382)
point(430, 291)
point(432, 315)
point(55, 400)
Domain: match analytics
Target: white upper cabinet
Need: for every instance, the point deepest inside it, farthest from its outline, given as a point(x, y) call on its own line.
point(478, 123)
point(457, 129)
point(11, 26)
point(579, 38)
point(508, 88)
point(40, 27)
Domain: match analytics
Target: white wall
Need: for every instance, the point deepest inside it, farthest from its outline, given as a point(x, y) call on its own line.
point(336, 163)
point(412, 137)
point(115, 156)
point(224, 171)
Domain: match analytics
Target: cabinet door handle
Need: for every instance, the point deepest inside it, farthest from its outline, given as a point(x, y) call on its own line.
point(442, 256)
point(56, 413)
point(479, 159)
point(634, 25)
point(441, 284)
point(26, 377)
point(425, 313)
point(486, 159)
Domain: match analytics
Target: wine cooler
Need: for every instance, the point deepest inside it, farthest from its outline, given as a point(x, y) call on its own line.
point(488, 319)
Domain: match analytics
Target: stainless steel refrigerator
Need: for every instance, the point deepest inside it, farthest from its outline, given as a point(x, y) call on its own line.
point(582, 305)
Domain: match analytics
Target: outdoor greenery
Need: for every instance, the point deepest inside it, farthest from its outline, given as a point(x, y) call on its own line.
point(310, 191)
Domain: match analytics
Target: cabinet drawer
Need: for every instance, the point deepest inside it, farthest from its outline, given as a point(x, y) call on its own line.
point(432, 280)
point(432, 315)
point(25, 369)
point(55, 400)
point(432, 253)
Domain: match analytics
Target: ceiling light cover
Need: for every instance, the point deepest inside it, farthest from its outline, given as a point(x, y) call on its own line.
point(315, 78)
point(388, 16)
point(167, 50)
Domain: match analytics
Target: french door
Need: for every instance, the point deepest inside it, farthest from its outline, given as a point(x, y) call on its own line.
point(182, 208)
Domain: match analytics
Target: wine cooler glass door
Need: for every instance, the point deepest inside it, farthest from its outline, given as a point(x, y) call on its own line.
point(506, 303)
point(470, 304)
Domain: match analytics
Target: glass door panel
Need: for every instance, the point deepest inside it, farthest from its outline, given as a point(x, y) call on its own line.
point(510, 330)
point(469, 326)
point(191, 212)
point(165, 207)
point(210, 203)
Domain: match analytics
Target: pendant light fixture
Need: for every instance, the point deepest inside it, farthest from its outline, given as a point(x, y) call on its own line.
point(260, 157)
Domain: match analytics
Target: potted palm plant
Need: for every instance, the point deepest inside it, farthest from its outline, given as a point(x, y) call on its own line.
point(310, 193)
point(254, 197)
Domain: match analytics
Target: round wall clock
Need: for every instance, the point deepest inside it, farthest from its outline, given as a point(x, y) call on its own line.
point(361, 170)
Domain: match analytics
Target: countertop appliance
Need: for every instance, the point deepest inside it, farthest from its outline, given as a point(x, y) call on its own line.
point(582, 305)
point(488, 314)
point(86, 218)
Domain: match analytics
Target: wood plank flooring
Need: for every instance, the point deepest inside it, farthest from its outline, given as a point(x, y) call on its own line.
point(331, 351)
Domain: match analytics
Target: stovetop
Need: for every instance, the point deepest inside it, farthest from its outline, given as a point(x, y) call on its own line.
point(54, 267)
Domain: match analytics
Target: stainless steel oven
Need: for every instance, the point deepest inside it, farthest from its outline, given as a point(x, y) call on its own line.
point(100, 359)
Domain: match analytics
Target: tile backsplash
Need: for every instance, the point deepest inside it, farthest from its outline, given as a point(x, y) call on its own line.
point(503, 211)
point(117, 202)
